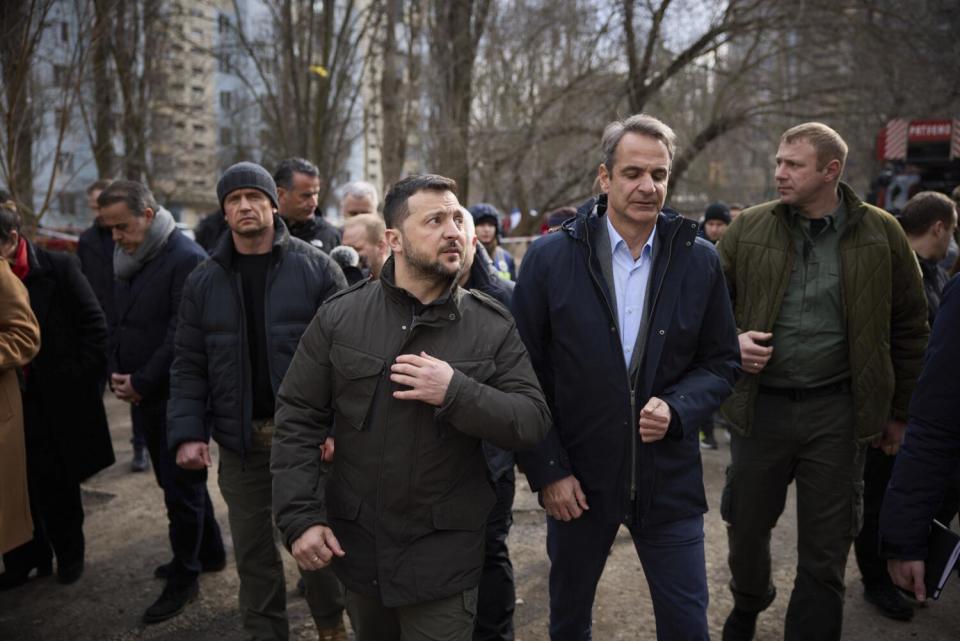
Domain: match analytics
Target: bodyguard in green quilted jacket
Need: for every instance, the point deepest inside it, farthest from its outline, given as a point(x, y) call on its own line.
point(828, 298)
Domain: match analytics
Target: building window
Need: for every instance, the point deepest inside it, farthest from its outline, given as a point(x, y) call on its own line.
point(225, 100)
point(226, 136)
point(68, 204)
point(199, 128)
point(65, 31)
point(163, 164)
point(223, 23)
point(61, 74)
point(197, 92)
point(63, 118)
point(65, 162)
point(223, 62)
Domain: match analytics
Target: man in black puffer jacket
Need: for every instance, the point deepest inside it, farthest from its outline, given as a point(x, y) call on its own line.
point(241, 318)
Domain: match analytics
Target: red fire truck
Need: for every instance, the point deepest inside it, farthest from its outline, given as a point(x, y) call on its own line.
point(918, 155)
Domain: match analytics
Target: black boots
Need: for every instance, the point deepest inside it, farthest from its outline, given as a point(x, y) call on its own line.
point(172, 601)
point(740, 625)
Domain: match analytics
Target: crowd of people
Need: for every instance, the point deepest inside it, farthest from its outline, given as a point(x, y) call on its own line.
point(373, 388)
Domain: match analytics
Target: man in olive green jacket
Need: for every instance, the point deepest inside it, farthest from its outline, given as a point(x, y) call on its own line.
point(829, 301)
point(414, 371)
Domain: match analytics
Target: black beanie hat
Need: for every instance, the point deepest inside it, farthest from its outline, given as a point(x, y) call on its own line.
point(717, 211)
point(246, 175)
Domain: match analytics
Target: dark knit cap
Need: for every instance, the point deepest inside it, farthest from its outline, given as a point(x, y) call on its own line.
point(246, 175)
point(717, 211)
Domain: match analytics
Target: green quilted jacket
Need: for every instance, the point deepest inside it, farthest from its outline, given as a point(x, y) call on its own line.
point(886, 311)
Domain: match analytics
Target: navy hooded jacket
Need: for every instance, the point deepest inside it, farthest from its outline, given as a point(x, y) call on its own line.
point(930, 457)
point(566, 318)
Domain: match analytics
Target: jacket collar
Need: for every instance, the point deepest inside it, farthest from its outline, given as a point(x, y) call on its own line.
point(225, 252)
point(591, 214)
point(855, 208)
point(445, 308)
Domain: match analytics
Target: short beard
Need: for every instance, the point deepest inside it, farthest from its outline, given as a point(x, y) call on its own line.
point(430, 270)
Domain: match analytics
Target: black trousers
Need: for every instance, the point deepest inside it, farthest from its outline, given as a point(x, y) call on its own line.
point(496, 597)
point(57, 511)
point(876, 475)
point(194, 533)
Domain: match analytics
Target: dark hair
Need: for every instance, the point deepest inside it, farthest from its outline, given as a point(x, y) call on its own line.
point(283, 176)
point(923, 210)
point(395, 209)
point(5, 196)
point(642, 124)
point(9, 221)
point(135, 195)
point(99, 185)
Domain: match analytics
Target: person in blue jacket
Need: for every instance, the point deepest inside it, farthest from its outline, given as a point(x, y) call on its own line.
point(929, 459)
point(627, 320)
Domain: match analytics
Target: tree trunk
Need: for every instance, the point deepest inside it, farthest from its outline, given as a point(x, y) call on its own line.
point(104, 125)
point(392, 103)
point(19, 118)
point(456, 32)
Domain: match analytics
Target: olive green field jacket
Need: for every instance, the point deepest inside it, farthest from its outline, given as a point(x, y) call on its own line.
point(883, 296)
point(408, 493)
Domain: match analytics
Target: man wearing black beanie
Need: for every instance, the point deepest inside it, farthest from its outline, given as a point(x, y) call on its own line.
point(242, 315)
point(716, 219)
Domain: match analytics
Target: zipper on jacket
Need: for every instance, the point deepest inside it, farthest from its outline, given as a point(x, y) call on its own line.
point(632, 383)
point(633, 427)
point(244, 365)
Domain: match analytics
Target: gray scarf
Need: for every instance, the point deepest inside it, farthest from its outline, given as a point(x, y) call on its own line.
point(126, 266)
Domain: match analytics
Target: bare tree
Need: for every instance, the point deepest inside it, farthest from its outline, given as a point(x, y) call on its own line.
point(22, 26)
point(399, 82)
point(456, 27)
point(540, 106)
point(104, 124)
point(137, 48)
point(35, 75)
point(304, 72)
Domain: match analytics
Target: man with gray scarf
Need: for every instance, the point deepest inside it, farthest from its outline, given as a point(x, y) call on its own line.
point(151, 261)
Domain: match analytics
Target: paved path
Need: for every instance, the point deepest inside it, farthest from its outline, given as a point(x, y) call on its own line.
point(126, 539)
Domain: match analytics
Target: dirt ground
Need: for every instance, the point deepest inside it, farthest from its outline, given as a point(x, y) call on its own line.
point(126, 539)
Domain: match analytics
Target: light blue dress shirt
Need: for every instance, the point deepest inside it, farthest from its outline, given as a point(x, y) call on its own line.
point(630, 280)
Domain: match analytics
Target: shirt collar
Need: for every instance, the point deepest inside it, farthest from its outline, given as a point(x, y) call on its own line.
point(834, 219)
point(617, 241)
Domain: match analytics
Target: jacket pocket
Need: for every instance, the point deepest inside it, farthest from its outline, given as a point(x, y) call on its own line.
point(358, 375)
point(467, 510)
point(479, 370)
point(342, 503)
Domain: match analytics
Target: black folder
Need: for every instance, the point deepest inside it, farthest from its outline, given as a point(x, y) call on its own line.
point(943, 548)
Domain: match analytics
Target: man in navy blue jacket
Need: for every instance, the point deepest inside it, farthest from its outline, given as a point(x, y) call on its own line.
point(627, 320)
point(930, 456)
point(151, 261)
